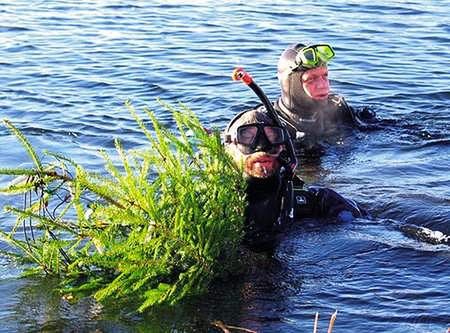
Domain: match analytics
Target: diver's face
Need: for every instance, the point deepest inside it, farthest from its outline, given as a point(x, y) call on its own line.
point(259, 157)
point(315, 83)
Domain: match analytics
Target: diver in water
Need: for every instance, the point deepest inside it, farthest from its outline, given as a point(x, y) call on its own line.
point(254, 141)
point(310, 112)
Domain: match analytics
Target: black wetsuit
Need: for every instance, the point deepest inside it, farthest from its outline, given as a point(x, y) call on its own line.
point(263, 225)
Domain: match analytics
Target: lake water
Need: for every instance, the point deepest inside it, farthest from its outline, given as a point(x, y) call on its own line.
point(66, 68)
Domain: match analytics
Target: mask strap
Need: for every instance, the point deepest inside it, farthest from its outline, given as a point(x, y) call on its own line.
point(227, 136)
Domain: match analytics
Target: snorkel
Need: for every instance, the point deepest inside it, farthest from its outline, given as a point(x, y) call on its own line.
point(287, 157)
point(289, 161)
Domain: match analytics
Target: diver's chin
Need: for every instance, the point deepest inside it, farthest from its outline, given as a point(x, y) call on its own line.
point(261, 165)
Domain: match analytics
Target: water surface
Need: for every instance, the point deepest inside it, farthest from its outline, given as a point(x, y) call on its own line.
point(66, 68)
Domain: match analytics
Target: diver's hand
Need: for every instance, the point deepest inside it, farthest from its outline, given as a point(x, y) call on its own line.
point(366, 114)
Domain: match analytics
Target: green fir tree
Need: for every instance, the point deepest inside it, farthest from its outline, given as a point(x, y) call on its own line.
point(158, 227)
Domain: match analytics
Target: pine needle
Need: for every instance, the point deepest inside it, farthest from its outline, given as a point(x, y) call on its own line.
point(27, 145)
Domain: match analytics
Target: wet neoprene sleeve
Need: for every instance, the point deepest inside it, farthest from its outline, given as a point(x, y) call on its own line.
point(323, 202)
point(359, 117)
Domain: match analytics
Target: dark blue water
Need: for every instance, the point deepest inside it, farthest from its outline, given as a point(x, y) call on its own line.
point(66, 68)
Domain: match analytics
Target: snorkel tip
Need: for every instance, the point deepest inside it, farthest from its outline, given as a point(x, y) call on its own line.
point(239, 74)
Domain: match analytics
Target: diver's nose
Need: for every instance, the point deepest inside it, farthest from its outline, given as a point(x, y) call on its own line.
point(262, 144)
point(323, 84)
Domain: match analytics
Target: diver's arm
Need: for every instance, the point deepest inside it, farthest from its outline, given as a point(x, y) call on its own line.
point(360, 117)
point(325, 202)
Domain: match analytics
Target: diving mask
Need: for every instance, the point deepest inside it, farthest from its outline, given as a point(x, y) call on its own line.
point(313, 56)
point(267, 138)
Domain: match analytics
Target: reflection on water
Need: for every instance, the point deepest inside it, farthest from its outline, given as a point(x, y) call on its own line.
point(39, 307)
point(67, 67)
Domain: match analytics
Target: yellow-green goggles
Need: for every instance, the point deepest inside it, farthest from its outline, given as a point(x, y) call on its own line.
point(313, 56)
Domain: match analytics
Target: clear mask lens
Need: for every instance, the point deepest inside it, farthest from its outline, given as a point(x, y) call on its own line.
point(248, 135)
point(325, 52)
